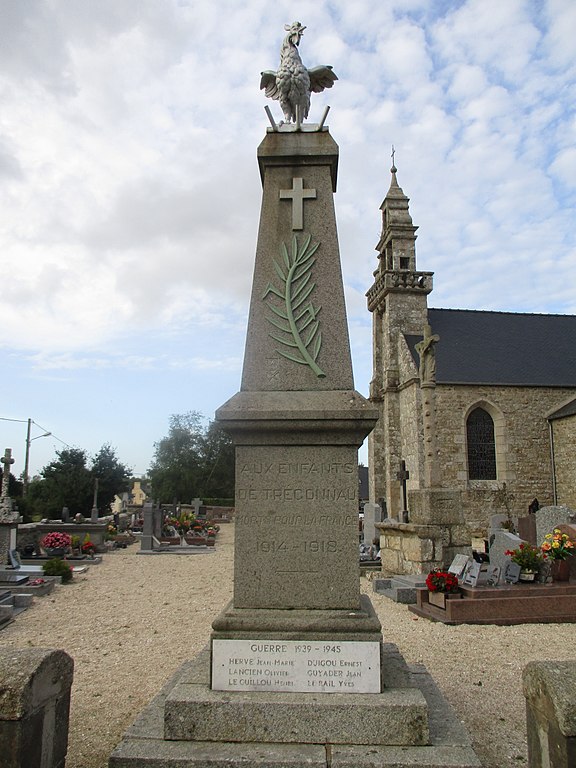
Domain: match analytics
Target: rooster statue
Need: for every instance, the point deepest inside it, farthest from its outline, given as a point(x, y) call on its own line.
point(292, 83)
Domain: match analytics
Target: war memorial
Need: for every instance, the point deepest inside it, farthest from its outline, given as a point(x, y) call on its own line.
point(297, 671)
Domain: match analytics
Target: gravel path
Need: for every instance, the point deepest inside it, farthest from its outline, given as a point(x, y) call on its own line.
point(130, 622)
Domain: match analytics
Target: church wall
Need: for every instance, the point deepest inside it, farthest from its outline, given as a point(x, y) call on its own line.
point(376, 459)
point(523, 446)
point(410, 415)
point(564, 431)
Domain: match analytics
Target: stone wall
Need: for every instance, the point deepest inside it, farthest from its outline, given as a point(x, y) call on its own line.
point(523, 445)
point(409, 548)
point(564, 432)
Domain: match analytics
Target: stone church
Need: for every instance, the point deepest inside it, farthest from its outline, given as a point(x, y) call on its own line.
point(480, 402)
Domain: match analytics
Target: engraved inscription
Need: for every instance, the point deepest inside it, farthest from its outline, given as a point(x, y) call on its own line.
point(306, 667)
point(296, 520)
point(297, 494)
point(297, 468)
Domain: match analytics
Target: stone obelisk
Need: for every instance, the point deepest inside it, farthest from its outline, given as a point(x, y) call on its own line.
point(297, 422)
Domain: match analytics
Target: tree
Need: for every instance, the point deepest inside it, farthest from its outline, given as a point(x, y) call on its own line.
point(69, 482)
point(113, 476)
point(192, 460)
point(66, 482)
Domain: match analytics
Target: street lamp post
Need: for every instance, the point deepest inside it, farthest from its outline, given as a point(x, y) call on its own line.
point(27, 455)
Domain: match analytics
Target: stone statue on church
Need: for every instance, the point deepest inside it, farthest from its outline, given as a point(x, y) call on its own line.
point(426, 352)
point(292, 84)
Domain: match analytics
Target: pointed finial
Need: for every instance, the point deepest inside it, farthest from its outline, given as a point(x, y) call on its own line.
point(394, 180)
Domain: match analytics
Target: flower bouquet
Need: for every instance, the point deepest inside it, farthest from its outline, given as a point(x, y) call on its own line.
point(529, 558)
point(88, 548)
point(56, 544)
point(558, 547)
point(440, 585)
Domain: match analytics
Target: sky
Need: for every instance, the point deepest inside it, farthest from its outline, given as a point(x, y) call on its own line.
point(130, 192)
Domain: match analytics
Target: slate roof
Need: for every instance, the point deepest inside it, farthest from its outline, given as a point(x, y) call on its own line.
point(502, 348)
point(567, 410)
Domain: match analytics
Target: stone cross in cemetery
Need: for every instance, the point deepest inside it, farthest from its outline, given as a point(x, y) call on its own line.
point(8, 516)
point(7, 462)
point(403, 475)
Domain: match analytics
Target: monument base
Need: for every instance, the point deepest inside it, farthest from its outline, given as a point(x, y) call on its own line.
point(336, 625)
point(188, 724)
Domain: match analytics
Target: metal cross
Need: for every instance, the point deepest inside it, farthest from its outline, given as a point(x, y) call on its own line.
point(297, 194)
point(403, 475)
point(7, 460)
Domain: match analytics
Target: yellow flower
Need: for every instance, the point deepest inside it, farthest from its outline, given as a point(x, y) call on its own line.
point(556, 544)
point(548, 536)
point(557, 530)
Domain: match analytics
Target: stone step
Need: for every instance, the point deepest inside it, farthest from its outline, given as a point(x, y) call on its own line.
point(394, 717)
point(157, 753)
point(400, 589)
point(144, 746)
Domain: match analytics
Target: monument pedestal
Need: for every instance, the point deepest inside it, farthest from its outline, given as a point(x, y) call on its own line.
point(189, 725)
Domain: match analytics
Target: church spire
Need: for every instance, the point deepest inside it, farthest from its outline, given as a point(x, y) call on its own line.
point(397, 248)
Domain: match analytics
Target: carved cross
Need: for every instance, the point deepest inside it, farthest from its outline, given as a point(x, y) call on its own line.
point(6, 460)
point(297, 194)
point(403, 475)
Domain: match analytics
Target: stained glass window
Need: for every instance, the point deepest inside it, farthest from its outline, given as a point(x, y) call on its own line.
point(481, 446)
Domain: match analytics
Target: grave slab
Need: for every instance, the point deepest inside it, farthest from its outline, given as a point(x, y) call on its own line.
point(504, 605)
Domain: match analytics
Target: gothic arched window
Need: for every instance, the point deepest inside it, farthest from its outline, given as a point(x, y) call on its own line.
point(481, 445)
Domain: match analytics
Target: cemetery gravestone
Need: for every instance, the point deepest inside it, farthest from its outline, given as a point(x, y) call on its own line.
point(548, 518)
point(500, 542)
point(458, 565)
point(8, 515)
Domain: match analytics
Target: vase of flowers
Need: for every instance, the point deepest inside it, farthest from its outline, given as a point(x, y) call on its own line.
point(442, 585)
point(558, 547)
point(529, 558)
point(88, 547)
point(56, 544)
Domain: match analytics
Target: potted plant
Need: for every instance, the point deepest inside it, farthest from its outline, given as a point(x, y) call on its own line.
point(58, 567)
point(558, 547)
point(529, 558)
point(56, 544)
point(441, 585)
point(88, 547)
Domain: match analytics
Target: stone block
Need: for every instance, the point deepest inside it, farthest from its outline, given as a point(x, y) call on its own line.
point(550, 691)
point(392, 561)
point(394, 717)
point(380, 585)
point(34, 707)
point(435, 506)
point(418, 550)
point(460, 536)
point(23, 600)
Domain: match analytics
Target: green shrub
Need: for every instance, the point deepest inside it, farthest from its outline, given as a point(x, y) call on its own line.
point(57, 567)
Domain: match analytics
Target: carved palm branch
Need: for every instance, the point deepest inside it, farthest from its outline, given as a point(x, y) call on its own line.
point(296, 317)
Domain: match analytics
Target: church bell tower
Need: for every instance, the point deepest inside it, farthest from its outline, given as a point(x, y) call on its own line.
point(398, 302)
